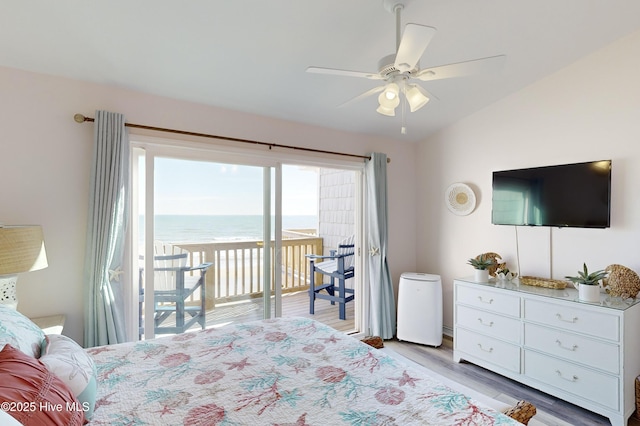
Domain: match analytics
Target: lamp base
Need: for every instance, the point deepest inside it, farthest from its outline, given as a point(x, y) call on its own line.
point(8, 296)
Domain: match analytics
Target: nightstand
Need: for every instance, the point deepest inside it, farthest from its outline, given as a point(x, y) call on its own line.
point(50, 325)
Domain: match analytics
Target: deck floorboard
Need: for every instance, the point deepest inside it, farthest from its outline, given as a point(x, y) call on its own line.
point(293, 305)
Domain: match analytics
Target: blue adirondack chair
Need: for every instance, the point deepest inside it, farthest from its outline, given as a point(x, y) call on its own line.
point(173, 286)
point(338, 267)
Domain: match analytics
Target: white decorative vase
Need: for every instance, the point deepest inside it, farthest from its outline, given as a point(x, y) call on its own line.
point(589, 293)
point(481, 275)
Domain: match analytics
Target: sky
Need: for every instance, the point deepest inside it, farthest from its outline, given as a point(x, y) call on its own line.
point(205, 188)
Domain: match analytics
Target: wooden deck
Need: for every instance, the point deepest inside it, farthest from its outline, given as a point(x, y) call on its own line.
point(293, 304)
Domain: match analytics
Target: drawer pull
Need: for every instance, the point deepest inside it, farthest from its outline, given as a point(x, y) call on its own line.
point(573, 378)
point(483, 349)
point(572, 348)
point(486, 324)
point(490, 301)
point(572, 320)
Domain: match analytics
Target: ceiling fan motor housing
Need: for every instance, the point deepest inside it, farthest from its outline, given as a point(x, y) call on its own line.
point(387, 68)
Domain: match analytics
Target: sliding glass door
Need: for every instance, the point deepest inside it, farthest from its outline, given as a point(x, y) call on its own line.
point(251, 221)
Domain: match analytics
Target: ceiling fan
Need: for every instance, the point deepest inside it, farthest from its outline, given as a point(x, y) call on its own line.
point(398, 70)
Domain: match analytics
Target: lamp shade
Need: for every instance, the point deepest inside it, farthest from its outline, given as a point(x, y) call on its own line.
point(390, 112)
point(416, 97)
point(21, 249)
point(387, 106)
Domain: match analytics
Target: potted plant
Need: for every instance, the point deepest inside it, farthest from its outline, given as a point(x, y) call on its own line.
point(481, 265)
point(503, 273)
point(588, 284)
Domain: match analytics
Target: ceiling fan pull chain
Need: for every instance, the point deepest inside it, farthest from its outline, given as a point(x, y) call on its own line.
point(403, 129)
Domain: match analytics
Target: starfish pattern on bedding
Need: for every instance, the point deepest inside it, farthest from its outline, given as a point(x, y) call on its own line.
point(240, 365)
point(405, 380)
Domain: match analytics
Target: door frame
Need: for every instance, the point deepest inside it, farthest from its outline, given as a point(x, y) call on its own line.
point(222, 152)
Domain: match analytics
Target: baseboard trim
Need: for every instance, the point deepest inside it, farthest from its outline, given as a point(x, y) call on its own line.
point(447, 331)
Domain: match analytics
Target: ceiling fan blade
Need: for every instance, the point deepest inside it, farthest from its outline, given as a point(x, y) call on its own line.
point(346, 73)
point(461, 69)
point(415, 40)
point(362, 96)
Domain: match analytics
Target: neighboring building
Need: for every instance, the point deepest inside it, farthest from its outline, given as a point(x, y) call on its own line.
point(336, 206)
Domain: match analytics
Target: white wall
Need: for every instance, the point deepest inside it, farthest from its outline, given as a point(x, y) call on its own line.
point(587, 111)
point(46, 158)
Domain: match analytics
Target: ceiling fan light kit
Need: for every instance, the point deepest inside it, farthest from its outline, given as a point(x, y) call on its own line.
point(396, 70)
point(389, 99)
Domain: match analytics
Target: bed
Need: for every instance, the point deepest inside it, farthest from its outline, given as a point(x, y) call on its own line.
point(293, 371)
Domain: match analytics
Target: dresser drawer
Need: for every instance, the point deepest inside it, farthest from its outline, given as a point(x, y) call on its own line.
point(502, 303)
point(570, 318)
point(489, 323)
point(573, 347)
point(488, 349)
point(600, 388)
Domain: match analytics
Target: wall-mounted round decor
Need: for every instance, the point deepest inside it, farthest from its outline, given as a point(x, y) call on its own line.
point(460, 199)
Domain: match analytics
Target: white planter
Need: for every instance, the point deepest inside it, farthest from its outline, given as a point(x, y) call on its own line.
point(589, 293)
point(481, 275)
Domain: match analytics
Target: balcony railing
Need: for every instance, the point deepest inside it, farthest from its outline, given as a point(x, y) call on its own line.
point(237, 271)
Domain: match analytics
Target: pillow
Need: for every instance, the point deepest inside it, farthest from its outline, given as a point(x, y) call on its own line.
point(32, 394)
point(75, 367)
point(7, 420)
point(18, 331)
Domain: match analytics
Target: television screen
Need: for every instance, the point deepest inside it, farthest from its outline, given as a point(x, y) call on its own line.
point(574, 195)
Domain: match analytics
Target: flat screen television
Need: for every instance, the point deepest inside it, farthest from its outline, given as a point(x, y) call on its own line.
point(567, 195)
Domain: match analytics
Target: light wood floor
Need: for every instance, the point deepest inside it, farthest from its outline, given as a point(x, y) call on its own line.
point(493, 385)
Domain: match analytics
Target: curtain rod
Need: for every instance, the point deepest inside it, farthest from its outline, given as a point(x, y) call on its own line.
point(79, 118)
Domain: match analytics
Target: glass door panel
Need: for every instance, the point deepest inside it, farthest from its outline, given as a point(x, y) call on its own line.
point(318, 212)
point(214, 213)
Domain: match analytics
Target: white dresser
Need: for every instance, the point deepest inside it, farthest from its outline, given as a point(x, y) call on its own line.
point(584, 353)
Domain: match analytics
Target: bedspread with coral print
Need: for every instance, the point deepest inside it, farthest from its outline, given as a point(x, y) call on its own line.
point(288, 371)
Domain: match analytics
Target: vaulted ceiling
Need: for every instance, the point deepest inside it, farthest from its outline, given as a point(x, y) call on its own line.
point(251, 55)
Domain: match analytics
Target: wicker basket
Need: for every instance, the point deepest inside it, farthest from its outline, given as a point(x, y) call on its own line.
point(543, 282)
point(374, 341)
point(638, 397)
point(522, 412)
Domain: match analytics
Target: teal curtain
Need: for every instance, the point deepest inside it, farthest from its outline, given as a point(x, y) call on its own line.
point(382, 309)
point(106, 229)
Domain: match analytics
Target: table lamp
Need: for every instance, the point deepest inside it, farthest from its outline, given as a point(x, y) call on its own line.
point(21, 250)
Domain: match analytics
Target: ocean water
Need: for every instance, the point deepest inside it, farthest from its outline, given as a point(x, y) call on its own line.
point(194, 228)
